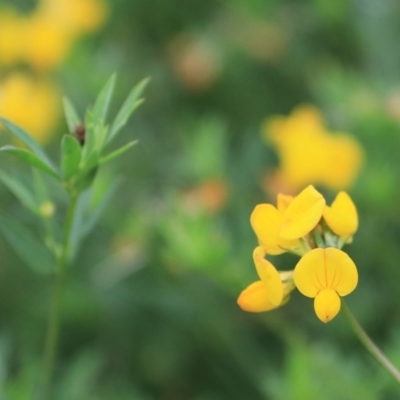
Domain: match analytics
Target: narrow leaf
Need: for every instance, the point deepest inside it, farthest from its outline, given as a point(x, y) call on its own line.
point(70, 115)
point(117, 152)
point(129, 105)
point(90, 137)
point(100, 108)
point(71, 153)
point(25, 244)
point(28, 140)
point(30, 158)
point(21, 191)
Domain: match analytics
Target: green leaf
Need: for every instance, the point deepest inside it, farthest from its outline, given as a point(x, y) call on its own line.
point(31, 158)
point(71, 115)
point(129, 105)
point(21, 191)
point(25, 244)
point(71, 153)
point(89, 148)
point(28, 140)
point(41, 191)
point(118, 152)
point(100, 108)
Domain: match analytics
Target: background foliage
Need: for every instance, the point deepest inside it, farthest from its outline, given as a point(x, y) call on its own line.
point(150, 309)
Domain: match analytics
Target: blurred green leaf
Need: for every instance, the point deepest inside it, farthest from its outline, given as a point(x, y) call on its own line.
point(28, 140)
point(118, 152)
point(102, 103)
point(128, 107)
point(32, 159)
point(26, 245)
point(71, 115)
point(21, 191)
point(80, 380)
point(71, 153)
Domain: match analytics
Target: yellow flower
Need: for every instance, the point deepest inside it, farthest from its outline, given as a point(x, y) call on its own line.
point(325, 275)
point(34, 105)
point(75, 16)
point(45, 37)
point(12, 37)
point(302, 214)
point(48, 43)
point(310, 154)
point(278, 230)
point(342, 216)
point(271, 291)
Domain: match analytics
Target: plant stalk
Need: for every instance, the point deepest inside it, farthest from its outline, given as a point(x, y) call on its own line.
point(53, 327)
point(370, 345)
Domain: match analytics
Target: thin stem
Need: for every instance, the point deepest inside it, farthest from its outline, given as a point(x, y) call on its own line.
point(51, 340)
point(370, 345)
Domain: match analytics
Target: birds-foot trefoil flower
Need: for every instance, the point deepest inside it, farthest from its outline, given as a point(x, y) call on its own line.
point(306, 226)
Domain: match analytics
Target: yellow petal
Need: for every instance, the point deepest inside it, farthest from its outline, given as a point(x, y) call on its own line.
point(327, 305)
point(342, 216)
point(325, 269)
point(283, 202)
point(343, 162)
point(269, 275)
point(265, 221)
point(255, 299)
point(303, 214)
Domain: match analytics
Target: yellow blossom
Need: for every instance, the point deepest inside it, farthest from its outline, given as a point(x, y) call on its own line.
point(270, 291)
point(75, 16)
point(278, 230)
point(302, 214)
point(266, 221)
point(342, 216)
point(309, 153)
point(47, 42)
point(12, 37)
point(32, 104)
point(44, 38)
point(325, 275)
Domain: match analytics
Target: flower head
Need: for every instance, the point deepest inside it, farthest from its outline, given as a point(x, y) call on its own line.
point(39, 100)
point(309, 153)
point(326, 274)
point(306, 226)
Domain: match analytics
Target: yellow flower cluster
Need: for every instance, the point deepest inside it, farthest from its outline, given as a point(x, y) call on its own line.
point(306, 226)
point(42, 40)
point(310, 154)
point(29, 103)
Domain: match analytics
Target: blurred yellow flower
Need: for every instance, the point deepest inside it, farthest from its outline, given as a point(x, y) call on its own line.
point(47, 42)
point(75, 16)
point(12, 37)
point(310, 154)
point(44, 38)
point(326, 274)
point(32, 104)
point(271, 291)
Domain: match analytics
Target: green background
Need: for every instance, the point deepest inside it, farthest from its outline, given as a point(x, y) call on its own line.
point(150, 309)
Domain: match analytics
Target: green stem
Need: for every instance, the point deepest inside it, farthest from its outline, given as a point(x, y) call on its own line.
point(370, 345)
point(51, 340)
